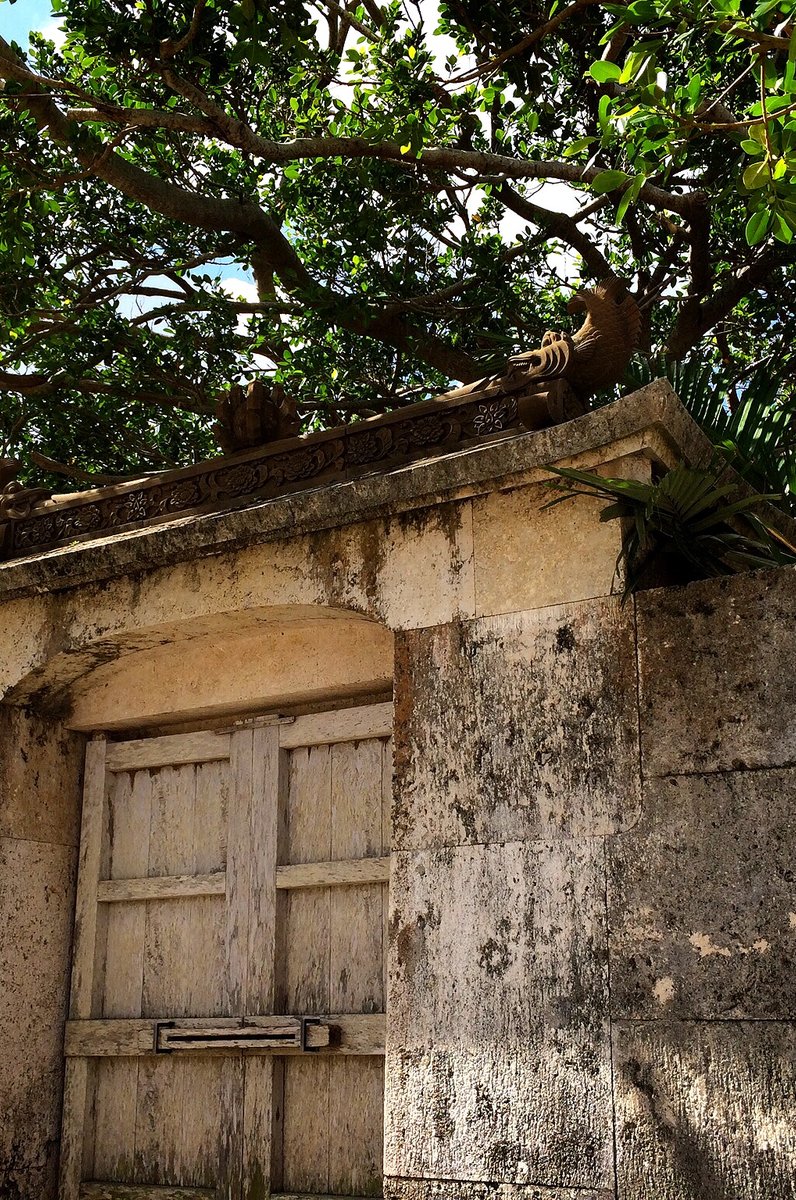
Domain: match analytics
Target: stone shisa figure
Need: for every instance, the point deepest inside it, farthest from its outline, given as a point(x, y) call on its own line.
point(596, 356)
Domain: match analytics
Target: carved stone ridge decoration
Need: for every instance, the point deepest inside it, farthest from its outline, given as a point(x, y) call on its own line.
point(16, 500)
point(538, 388)
point(492, 407)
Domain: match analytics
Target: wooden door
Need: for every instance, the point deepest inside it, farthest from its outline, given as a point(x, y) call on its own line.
point(226, 1031)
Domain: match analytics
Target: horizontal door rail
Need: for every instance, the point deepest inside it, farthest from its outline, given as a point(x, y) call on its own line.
point(134, 1037)
point(333, 874)
point(162, 887)
point(143, 1191)
point(173, 750)
point(313, 1196)
point(343, 725)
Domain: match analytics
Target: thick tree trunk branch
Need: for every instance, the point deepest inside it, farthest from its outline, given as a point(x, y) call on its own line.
point(697, 318)
point(246, 220)
point(218, 122)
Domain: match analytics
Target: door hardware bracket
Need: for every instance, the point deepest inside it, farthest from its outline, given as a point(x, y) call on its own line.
point(255, 1035)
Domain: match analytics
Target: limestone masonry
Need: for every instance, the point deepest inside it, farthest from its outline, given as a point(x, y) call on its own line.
point(590, 942)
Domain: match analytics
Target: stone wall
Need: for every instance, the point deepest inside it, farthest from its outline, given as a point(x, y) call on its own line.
point(593, 917)
point(41, 767)
point(594, 900)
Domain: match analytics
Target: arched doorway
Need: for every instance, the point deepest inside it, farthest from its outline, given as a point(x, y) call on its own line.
point(226, 1025)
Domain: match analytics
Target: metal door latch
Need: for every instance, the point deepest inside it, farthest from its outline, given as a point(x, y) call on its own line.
point(273, 1035)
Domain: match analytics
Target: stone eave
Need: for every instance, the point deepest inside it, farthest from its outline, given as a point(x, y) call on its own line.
point(650, 421)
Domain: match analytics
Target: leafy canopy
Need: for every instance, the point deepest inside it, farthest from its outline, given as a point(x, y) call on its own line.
point(382, 172)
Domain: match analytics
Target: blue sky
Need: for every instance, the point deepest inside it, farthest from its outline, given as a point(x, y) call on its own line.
point(17, 20)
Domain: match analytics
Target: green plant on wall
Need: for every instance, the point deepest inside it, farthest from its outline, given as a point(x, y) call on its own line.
point(698, 518)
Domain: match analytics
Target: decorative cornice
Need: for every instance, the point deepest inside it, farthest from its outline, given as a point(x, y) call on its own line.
point(449, 422)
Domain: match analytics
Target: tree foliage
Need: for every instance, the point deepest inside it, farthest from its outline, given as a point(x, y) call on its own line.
point(383, 171)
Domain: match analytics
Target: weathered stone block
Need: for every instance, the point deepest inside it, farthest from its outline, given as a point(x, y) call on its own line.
point(36, 903)
point(497, 1013)
point(528, 556)
point(443, 1189)
point(705, 1111)
point(717, 691)
point(702, 899)
point(517, 727)
point(41, 768)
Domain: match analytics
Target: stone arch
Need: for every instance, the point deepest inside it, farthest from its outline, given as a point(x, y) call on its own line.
point(210, 666)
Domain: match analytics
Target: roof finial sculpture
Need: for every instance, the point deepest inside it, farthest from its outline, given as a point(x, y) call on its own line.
point(262, 413)
point(597, 355)
point(16, 500)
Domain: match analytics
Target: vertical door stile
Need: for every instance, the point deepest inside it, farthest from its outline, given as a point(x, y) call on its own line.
point(263, 1083)
point(237, 943)
point(83, 965)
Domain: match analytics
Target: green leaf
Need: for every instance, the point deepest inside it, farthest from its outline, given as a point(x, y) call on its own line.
point(756, 175)
point(603, 115)
point(630, 196)
point(579, 145)
point(752, 147)
point(782, 230)
point(757, 227)
point(605, 72)
point(608, 181)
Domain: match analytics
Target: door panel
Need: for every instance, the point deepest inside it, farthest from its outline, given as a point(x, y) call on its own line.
point(190, 906)
point(332, 957)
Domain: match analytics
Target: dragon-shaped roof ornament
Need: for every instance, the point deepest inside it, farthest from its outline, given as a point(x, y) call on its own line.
point(598, 354)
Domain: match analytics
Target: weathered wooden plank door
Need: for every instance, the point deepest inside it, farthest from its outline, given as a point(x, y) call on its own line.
point(226, 1031)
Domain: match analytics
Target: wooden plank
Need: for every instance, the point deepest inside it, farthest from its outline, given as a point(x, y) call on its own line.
point(160, 1155)
point(101, 1039)
point(164, 887)
point(91, 847)
point(344, 725)
point(208, 913)
point(356, 1134)
point(262, 1076)
point(306, 1099)
point(360, 1033)
point(205, 943)
point(116, 1082)
point(333, 874)
point(76, 1139)
point(243, 772)
point(230, 1149)
point(269, 771)
point(170, 751)
point(305, 933)
point(313, 1196)
point(72, 1129)
point(137, 1191)
point(356, 969)
point(238, 871)
point(307, 1115)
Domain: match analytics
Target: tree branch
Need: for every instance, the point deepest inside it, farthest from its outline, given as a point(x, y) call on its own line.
point(697, 318)
point(559, 225)
point(433, 158)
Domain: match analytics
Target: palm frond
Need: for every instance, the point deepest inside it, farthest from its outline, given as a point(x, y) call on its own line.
point(751, 421)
